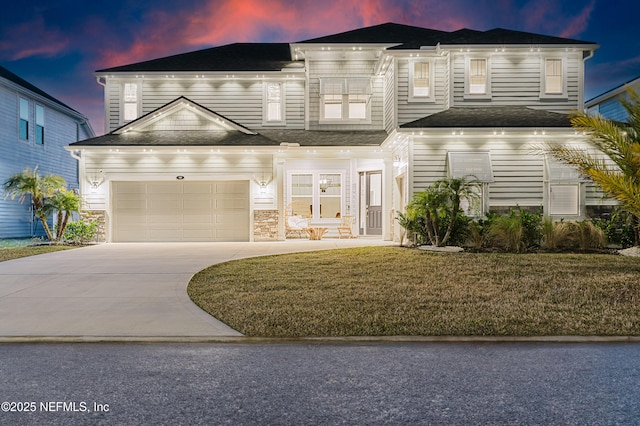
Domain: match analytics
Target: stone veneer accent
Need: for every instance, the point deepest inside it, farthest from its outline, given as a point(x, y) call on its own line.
point(265, 225)
point(96, 216)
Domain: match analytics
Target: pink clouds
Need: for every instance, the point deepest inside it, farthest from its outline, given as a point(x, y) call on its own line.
point(580, 22)
point(32, 38)
point(217, 22)
point(547, 16)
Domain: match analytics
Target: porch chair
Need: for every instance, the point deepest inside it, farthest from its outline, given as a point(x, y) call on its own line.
point(296, 218)
point(344, 229)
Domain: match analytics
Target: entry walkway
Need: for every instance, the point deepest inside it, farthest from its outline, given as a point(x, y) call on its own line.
point(124, 290)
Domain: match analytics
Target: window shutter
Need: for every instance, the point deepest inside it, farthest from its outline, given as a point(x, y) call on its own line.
point(564, 200)
point(471, 165)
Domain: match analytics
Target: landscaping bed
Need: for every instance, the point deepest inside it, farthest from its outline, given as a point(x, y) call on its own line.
point(388, 291)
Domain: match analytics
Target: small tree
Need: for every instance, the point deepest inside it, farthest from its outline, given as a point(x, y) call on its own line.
point(29, 184)
point(439, 206)
point(65, 204)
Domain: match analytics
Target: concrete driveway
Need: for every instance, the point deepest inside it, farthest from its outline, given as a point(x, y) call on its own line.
point(123, 290)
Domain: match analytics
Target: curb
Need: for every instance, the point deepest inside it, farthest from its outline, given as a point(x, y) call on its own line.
point(307, 340)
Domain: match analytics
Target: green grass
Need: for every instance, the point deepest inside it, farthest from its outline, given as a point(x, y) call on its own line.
point(11, 253)
point(389, 291)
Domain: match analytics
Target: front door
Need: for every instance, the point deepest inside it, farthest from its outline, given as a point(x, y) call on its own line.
point(371, 203)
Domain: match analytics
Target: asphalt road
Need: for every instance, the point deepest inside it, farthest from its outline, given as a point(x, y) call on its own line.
point(318, 383)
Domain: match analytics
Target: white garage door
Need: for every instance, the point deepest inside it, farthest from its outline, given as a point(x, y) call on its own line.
point(180, 211)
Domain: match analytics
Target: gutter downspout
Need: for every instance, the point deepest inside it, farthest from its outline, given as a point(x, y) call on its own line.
point(584, 60)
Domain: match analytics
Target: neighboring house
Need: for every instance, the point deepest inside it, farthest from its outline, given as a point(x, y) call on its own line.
point(608, 104)
point(213, 145)
point(35, 128)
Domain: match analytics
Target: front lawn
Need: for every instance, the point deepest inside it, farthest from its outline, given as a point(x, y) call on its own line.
point(387, 291)
point(11, 253)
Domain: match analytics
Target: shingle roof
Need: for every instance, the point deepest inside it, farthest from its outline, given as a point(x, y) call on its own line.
point(231, 57)
point(5, 73)
point(236, 138)
point(409, 37)
point(491, 117)
point(276, 56)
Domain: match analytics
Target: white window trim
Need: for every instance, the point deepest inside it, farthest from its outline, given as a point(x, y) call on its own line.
point(138, 101)
point(467, 82)
point(431, 97)
point(345, 103)
point(265, 109)
point(543, 79)
point(316, 193)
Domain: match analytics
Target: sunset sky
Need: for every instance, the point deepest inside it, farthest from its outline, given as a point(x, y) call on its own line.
point(57, 45)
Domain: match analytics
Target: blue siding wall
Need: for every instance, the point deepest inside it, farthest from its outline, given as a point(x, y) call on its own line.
point(60, 129)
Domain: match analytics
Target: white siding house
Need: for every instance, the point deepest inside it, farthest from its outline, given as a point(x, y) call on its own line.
point(34, 130)
point(215, 144)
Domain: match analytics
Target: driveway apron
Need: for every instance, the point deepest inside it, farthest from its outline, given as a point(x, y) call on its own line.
point(123, 290)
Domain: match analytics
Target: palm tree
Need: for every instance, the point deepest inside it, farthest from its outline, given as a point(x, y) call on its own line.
point(439, 205)
point(620, 143)
point(65, 204)
point(29, 183)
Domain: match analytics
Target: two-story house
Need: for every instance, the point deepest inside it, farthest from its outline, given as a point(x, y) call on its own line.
point(213, 145)
point(35, 128)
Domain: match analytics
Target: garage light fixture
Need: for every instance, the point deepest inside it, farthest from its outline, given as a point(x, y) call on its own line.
point(180, 177)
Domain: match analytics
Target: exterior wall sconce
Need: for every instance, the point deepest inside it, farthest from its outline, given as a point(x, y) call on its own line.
point(96, 179)
point(263, 182)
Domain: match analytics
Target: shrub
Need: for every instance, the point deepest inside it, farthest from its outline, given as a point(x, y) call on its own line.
point(555, 234)
point(506, 231)
point(587, 235)
point(618, 229)
point(80, 232)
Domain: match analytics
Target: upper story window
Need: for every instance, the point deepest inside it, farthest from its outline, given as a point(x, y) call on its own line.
point(273, 103)
point(553, 83)
point(420, 81)
point(478, 76)
point(130, 101)
point(24, 118)
point(39, 124)
point(345, 99)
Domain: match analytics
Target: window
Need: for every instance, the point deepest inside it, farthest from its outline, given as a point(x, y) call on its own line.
point(39, 125)
point(420, 79)
point(24, 119)
point(345, 99)
point(274, 103)
point(321, 191)
point(130, 97)
point(478, 76)
point(553, 76)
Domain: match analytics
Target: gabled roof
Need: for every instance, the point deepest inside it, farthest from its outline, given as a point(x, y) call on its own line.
point(231, 57)
point(222, 123)
point(491, 117)
point(5, 73)
point(213, 129)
